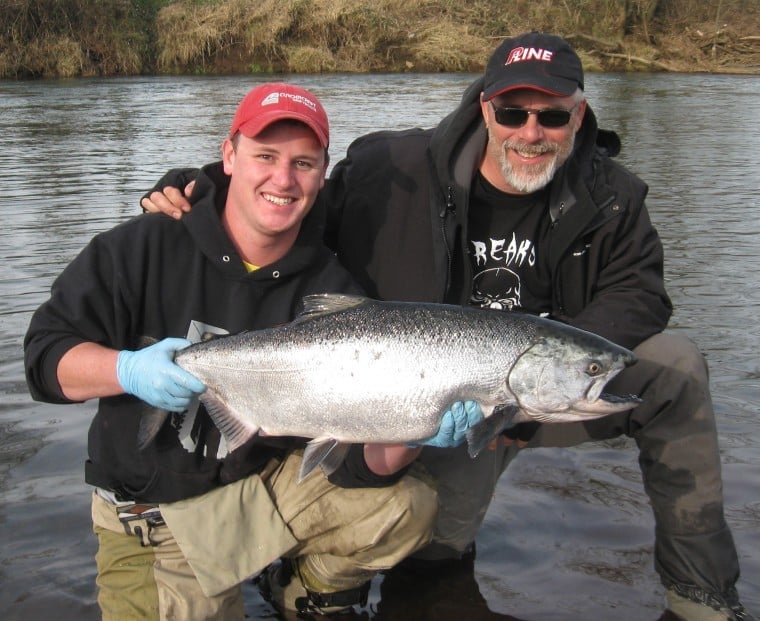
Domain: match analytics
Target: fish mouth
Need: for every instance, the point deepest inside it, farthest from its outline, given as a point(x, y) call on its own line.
point(606, 403)
point(598, 402)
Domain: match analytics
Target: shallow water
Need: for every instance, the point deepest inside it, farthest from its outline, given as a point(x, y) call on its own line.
point(569, 534)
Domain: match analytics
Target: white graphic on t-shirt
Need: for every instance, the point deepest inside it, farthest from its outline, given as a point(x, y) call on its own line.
point(516, 253)
point(499, 287)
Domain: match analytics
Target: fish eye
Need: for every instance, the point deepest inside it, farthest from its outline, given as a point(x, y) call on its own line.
point(594, 368)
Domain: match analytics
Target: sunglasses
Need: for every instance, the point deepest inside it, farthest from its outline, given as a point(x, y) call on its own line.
point(517, 117)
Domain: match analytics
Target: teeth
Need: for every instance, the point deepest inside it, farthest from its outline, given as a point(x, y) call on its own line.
point(277, 200)
point(531, 152)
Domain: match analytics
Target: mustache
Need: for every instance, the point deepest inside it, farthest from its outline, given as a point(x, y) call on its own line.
point(531, 149)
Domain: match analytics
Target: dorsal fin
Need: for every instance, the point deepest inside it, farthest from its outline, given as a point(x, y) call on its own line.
point(318, 304)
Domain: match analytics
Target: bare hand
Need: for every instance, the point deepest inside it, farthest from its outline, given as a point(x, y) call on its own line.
point(171, 201)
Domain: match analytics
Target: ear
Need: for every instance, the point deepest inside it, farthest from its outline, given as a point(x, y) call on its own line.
point(484, 106)
point(228, 155)
point(324, 169)
point(581, 113)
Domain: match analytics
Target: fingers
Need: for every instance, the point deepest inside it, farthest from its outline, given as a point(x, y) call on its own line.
point(459, 420)
point(170, 201)
point(175, 389)
point(448, 425)
point(186, 383)
point(473, 412)
point(171, 344)
point(152, 375)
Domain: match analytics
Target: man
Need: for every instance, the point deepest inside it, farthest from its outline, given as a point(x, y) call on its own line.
point(181, 523)
point(513, 202)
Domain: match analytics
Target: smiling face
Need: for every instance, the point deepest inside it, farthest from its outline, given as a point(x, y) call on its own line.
point(522, 160)
point(275, 178)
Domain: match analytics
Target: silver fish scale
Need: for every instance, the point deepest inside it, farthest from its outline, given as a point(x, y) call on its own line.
point(376, 372)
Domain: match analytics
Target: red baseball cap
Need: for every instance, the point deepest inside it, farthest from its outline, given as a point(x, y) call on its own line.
point(276, 101)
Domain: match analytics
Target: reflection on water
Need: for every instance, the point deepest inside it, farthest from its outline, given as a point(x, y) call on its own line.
point(569, 534)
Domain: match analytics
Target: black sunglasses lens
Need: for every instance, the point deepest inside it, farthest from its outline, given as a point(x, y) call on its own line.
point(554, 118)
point(511, 117)
point(517, 117)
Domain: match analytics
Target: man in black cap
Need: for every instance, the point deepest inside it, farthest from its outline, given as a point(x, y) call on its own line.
point(513, 202)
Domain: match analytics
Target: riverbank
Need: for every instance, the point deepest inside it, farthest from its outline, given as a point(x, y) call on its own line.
point(72, 38)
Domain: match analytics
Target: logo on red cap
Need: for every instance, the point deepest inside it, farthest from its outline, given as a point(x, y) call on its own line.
point(274, 99)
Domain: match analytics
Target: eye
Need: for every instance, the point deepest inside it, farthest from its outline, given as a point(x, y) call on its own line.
point(594, 368)
point(304, 165)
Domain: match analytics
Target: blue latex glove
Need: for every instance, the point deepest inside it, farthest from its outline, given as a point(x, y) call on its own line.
point(454, 424)
point(151, 375)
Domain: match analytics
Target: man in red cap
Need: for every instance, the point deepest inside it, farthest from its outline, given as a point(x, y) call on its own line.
point(517, 204)
point(181, 523)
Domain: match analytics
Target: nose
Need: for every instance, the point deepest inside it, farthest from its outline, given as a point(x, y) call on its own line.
point(282, 175)
point(532, 131)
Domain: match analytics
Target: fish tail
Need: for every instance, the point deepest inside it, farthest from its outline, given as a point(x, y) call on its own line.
point(151, 421)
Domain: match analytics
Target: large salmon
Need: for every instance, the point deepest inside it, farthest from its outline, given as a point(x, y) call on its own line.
point(354, 370)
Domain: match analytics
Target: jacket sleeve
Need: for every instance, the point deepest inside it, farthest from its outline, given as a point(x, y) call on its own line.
point(361, 179)
point(333, 197)
point(84, 306)
point(625, 297)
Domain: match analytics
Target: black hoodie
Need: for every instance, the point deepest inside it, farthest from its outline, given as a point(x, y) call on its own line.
point(150, 277)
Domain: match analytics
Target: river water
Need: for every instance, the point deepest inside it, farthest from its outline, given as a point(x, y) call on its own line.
point(569, 534)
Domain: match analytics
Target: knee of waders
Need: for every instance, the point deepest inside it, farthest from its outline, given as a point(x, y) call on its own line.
point(414, 512)
point(674, 352)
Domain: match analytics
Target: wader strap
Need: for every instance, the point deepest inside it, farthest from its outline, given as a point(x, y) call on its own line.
point(140, 520)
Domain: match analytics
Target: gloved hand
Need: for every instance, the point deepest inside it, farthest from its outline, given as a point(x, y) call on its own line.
point(454, 424)
point(151, 375)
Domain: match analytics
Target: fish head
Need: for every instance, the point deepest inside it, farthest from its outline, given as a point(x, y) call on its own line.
point(561, 377)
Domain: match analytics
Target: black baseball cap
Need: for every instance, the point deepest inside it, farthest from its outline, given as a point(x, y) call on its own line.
point(534, 60)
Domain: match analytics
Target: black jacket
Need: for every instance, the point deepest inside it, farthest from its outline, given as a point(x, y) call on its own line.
point(152, 276)
point(398, 215)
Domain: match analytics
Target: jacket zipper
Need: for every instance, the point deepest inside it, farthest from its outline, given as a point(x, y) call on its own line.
point(559, 297)
point(450, 207)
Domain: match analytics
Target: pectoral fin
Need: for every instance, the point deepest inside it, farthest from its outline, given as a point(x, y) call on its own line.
point(480, 436)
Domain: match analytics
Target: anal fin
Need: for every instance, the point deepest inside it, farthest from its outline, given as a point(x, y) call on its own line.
point(235, 430)
point(325, 452)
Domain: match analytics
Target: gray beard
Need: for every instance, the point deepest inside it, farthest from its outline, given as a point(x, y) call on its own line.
point(529, 179)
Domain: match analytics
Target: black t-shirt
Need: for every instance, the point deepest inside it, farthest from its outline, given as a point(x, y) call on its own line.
point(508, 249)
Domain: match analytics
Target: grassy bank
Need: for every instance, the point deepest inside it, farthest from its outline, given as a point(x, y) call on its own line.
point(65, 38)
